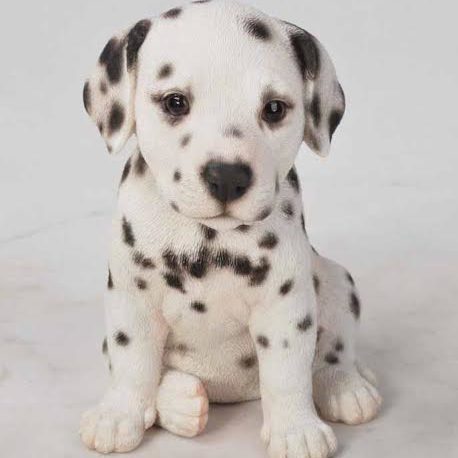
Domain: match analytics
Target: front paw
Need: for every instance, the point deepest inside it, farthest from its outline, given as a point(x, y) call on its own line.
point(309, 438)
point(115, 425)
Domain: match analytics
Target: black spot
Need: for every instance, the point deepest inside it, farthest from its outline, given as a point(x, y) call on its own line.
point(264, 214)
point(116, 118)
point(127, 232)
point(122, 338)
point(165, 71)
point(181, 348)
point(247, 362)
point(126, 170)
point(177, 176)
point(199, 307)
point(339, 346)
point(316, 284)
point(110, 280)
point(242, 265)
point(263, 341)
point(222, 258)
point(198, 268)
point(350, 278)
point(140, 165)
point(135, 39)
point(243, 228)
point(293, 179)
point(184, 259)
point(285, 343)
point(286, 287)
point(315, 109)
point(175, 206)
point(233, 131)
point(185, 140)
point(306, 53)
point(277, 185)
point(171, 259)
point(257, 29)
point(141, 283)
point(288, 209)
point(305, 323)
point(319, 333)
point(104, 346)
point(209, 233)
point(141, 260)
point(103, 87)
point(112, 57)
point(87, 97)
point(269, 240)
point(200, 1)
point(259, 272)
point(355, 305)
point(334, 120)
point(331, 358)
point(173, 13)
point(174, 281)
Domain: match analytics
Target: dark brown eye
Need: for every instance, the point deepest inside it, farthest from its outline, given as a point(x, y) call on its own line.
point(176, 104)
point(274, 111)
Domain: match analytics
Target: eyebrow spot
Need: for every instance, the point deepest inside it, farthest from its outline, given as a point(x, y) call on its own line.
point(165, 71)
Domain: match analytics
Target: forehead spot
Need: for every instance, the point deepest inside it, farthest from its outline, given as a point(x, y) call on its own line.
point(165, 71)
point(173, 13)
point(257, 29)
point(233, 131)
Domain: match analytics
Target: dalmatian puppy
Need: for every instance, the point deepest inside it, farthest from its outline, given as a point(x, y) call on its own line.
point(214, 292)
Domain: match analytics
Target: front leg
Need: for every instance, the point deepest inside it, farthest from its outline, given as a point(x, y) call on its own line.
point(136, 334)
point(284, 329)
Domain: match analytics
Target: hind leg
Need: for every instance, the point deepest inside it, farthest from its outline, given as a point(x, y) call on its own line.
point(343, 389)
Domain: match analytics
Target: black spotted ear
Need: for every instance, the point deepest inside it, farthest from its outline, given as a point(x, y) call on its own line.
point(109, 92)
point(324, 98)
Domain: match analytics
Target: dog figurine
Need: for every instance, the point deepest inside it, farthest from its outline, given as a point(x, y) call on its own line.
point(214, 292)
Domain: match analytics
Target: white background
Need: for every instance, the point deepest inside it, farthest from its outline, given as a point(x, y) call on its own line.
point(384, 204)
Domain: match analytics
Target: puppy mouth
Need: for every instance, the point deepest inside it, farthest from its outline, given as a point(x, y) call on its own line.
point(222, 221)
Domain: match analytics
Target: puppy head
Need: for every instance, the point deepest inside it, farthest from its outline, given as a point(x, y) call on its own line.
point(220, 97)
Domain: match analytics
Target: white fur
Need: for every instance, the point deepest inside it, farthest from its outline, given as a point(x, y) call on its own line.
point(251, 340)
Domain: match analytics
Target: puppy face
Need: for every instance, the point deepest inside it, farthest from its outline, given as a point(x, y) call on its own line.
point(220, 97)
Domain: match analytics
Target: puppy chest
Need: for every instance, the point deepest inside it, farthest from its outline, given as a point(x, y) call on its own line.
point(206, 310)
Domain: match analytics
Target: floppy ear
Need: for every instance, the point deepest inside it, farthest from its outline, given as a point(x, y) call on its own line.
point(108, 94)
point(324, 98)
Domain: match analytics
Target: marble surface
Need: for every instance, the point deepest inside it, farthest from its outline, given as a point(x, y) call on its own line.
point(384, 204)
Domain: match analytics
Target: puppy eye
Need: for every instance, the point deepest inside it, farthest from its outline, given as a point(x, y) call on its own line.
point(176, 104)
point(274, 111)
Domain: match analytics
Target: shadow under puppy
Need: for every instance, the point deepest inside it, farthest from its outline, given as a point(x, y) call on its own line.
point(214, 291)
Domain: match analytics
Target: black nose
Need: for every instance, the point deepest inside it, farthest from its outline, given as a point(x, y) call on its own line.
point(227, 182)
